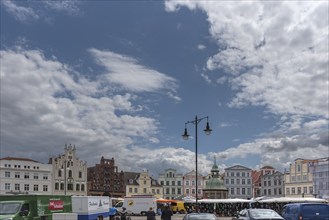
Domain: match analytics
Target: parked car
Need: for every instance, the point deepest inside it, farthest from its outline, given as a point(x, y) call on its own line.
point(305, 211)
point(200, 216)
point(254, 214)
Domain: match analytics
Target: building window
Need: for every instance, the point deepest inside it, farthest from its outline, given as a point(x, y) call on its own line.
point(7, 186)
point(179, 183)
point(249, 181)
point(144, 190)
point(17, 175)
point(167, 191)
point(36, 188)
point(35, 176)
point(288, 191)
point(26, 176)
point(82, 187)
point(17, 187)
point(7, 174)
point(243, 174)
point(173, 183)
point(232, 181)
point(310, 189)
point(237, 173)
point(243, 191)
point(70, 186)
point(144, 182)
point(167, 183)
point(243, 181)
point(173, 191)
point(77, 187)
point(298, 168)
point(135, 190)
point(62, 186)
point(80, 174)
point(187, 191)
point(130, 189)
point(237, 181)
point(56, 186)
point(26, 187)
point(193, 183)
point(299, 190)
point(232, 191)
point(59, 173)
point(45, 188)
point(193, 191)
point(70, 173)
point(45, 177)
point(179, 191)
point(293, 190)
point(187, 183)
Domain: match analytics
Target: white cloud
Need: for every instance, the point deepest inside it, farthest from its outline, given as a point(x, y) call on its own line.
point(21, 13)
point(26, 11)
point(274, 55)
point(130, 75)
point(201, 47)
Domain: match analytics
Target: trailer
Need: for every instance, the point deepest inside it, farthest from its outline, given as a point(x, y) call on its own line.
point(28, 207)
point(91, 207)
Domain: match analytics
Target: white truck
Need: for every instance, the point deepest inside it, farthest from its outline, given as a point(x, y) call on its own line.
point(137, 205)
point(91, 207)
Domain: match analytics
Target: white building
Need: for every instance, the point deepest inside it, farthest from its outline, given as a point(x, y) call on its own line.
point(171, 182)
point(238, 180)
point(24, 176)
point(69, 173)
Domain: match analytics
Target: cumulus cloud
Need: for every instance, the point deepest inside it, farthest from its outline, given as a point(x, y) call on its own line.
point(40, 102)
point(274, 55)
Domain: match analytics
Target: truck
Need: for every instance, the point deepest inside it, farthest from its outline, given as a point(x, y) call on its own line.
point(91, 207)
point(28, 207)
point(137, 205)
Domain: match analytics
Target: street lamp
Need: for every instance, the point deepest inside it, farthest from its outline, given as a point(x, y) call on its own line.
point(185, 136)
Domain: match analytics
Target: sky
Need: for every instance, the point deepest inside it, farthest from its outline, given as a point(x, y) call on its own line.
point(120, 79)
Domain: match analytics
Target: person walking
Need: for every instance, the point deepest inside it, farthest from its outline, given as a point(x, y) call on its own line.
point(166, 214)
point(150, 215)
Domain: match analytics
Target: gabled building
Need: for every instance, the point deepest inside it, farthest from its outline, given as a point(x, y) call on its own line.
point(141, 184)
point(69, 173)
point(238, 180)
point(104, 179)
point(298, 181)
point(257, 180)
point(189, 186)
point(25, 176)
point(171, 181)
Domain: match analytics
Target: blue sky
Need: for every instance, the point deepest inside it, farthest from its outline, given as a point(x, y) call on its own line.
point(120, 79)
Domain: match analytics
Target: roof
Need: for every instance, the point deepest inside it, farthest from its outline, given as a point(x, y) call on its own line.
point(238, 167)
point(19, 158)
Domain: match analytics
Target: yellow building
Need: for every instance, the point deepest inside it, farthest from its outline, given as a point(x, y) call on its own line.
point(299, 179)
point(141, 184)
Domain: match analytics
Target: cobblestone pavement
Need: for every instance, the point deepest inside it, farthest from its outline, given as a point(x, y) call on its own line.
point(174, 217)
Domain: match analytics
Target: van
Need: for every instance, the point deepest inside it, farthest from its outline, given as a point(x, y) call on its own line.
point(305, 211)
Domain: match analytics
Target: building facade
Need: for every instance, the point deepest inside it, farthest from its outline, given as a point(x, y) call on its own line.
point(172, 183)
point(69, 173)
point(104, 179)
point(25, 176)
point(141, 184)
point(189, 186)
point(320, 171)
point(238, 180)
point(298, 181)
point(272, 184)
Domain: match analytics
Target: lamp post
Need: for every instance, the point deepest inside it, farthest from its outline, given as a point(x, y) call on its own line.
point(185, 136)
